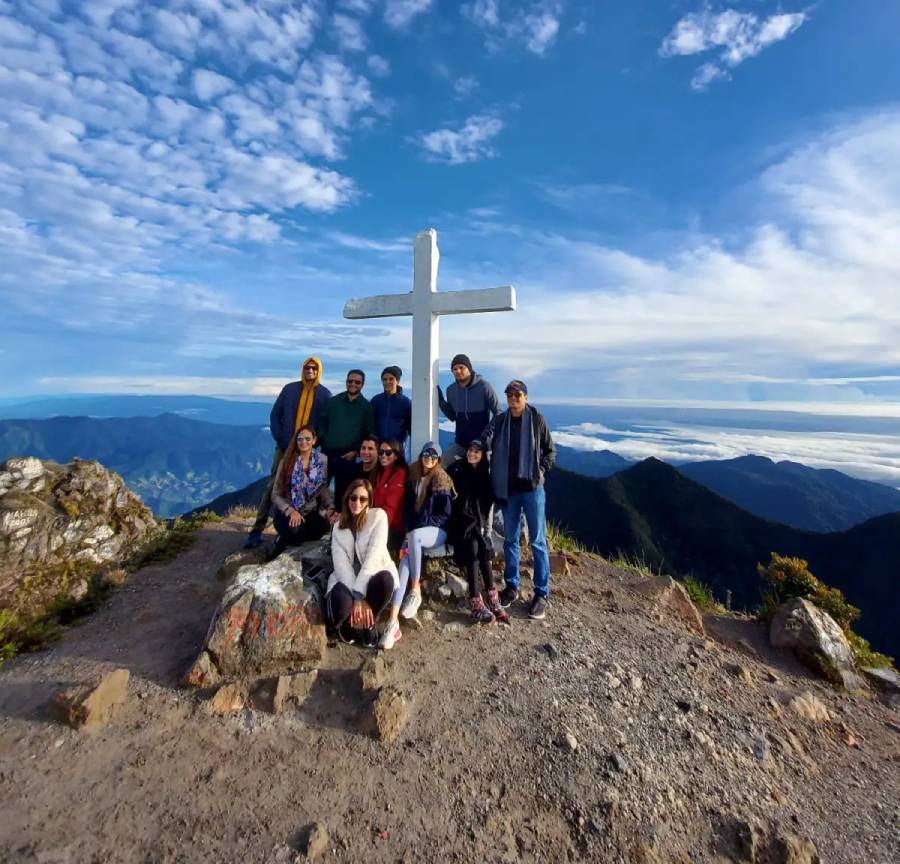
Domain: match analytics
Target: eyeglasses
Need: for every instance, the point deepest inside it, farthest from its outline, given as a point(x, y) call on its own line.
point(304, 437)
point(385, 451)
point(361, 498)
point(514, 394)
point(355, 381)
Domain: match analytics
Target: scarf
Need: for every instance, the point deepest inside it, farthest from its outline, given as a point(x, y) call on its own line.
point(305, 484)
point(500, 457)
point(307, 395)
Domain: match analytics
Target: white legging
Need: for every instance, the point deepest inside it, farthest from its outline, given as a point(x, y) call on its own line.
point(417, 541)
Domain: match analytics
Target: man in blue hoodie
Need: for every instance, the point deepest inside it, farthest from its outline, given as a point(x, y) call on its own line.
point(393, 410)
point(471, 402)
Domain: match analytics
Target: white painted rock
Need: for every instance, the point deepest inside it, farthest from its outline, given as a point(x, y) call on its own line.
point(269, 622)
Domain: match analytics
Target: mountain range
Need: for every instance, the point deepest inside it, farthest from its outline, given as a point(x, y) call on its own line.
point(654, 514)
point(173, 463)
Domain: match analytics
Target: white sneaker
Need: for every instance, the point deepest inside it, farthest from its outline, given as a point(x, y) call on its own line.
point(390, 637)
point(411, 604)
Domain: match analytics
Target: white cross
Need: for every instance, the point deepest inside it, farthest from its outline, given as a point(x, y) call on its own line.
point(426, 306)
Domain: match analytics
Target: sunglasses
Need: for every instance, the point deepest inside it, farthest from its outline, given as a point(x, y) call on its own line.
point(514, 394)
point(355, 381)
point(310, 368)
point(304, 437)
point(429, 456)
point(362, 498)
point(385, 451)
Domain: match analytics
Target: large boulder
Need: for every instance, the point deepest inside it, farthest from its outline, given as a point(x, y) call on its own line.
point(817, 639)
point(59, 526)
point(670, 598)
point(268, 623)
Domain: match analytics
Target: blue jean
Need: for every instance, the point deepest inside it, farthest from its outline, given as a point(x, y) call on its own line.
point(533, 505)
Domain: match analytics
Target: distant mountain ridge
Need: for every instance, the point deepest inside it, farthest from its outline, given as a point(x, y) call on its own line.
point(670, 522)
point(815, 499)
point(173, 463)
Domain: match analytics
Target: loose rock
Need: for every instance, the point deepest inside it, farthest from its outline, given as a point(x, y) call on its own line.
point(228, 699)
point(373, 672)
point(91, 705)
point(389, 714)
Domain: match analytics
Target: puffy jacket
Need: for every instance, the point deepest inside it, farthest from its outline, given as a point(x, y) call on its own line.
point(284, 411)
point(388, 492)
point(438, 503)
point(472, 408)
point(393, 416)
point(473, 502)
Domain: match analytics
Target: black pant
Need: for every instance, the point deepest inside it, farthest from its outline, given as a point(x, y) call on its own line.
point(312, 527)
point(472, 554)
point(339, 602)
point(265, 503)
point(344, 472)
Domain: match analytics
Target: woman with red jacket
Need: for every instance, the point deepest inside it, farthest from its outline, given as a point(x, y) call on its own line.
point(389, 488)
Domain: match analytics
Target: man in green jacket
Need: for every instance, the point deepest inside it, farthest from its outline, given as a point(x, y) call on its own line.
point(346, 420)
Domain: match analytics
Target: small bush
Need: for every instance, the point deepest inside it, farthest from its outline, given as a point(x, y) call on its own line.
point(700, 594)
point(562, 540)
point(241, 511)
point(785, 578)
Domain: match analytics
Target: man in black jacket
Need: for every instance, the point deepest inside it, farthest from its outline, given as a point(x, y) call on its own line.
point(522, 453)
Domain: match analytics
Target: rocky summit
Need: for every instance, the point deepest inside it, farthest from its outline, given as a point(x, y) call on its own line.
point(628, 726)
point(62, 529)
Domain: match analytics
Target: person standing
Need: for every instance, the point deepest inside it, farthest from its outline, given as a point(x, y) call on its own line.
point(471, 402)
point(522, 453)
point(299, 403)
point(344, 422)
point(392, 409)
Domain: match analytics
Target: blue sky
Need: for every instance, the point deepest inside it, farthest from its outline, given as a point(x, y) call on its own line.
point(698, 202)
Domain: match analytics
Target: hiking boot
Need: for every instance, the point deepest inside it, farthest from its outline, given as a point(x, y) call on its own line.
point(499, 613)
point(254, 539)
point(411, 604)
point(538, 607)
point(508, 596)
point(480, 613)
point(391, 636)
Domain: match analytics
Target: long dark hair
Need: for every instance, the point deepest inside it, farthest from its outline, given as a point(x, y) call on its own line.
point(399, 462)
point(348, 520)
point(290, 458)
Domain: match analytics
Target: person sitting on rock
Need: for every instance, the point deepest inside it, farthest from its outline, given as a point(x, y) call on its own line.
point(469, 531)
point(389, 487)
point(368, 458)
point(300, 496)
point(364, 576)
point(427, 505)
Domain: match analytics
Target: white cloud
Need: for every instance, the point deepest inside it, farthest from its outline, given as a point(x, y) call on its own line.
point(464, 86)
point(378, 65)
point(737, 36)
point(399, 13)
point(209, 85)
point(468, 144)
point(349, 32)
point(868, 456)
point(535, 26)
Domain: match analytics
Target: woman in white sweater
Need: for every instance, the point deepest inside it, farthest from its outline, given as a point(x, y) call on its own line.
point(364, 576)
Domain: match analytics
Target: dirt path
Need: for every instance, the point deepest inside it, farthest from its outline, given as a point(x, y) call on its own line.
point(677, 753)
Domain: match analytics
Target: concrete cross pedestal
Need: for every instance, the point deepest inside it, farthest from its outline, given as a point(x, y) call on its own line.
point(426, 305)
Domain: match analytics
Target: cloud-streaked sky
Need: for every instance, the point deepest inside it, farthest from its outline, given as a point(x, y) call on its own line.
point(696, 200)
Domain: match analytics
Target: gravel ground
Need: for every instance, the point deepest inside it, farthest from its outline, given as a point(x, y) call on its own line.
point(607, 732)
